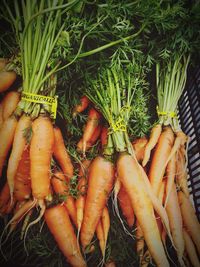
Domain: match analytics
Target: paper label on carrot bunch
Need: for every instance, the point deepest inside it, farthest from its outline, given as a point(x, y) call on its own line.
point(42, 99)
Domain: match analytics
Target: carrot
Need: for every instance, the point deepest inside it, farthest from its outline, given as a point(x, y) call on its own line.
point(139, 146)
point(105, 218)
point(181, 173)
point(41, 149)
point(170, 173)
point(92, 140)
point(62, 230)
point(110, 263)
point(133, 182)
point(100, 236)
point(7, 78)
point(140, 242)
point(92, 122)
point(82, 183)
point(22, 187)
point(18, 146)
point(160, 156)
point(100, 182)
point(104, 136)
point(190, 249)
point(4, 196)
point(3, 62)
point(84, 102)
point(190, 220)
point(61, 155)
point(126, 207)
point(6, 138)
point(60, 186)
point(153, 140)
point(9, 104)
point(175, 221)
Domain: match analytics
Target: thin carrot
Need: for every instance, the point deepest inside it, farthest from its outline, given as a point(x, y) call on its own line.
point(9, 104)
point(7, 132)
point(190, 220)
point(61, 155)
point(18, 147)
point(132, 179)
point(82, 184)
point(92, 122)
point(176, 224)
point(62, 230)
point(100, 183)
point(60, 186)
point(170, 173)
point(153, 140)
point(139, 146)
point(160, 156)
point(105, 218)
point(140, 242)
point(190, 249)
point(100, 236)
point(7, 78)
point(126, 207)
point(22, 188)
point(84, 102)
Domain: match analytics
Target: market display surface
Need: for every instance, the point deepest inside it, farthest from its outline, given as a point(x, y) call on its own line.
point(93, 158)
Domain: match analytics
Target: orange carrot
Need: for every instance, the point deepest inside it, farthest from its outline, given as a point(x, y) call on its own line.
point(7, 78)
point(190, 249)
point(175, 221)
point(170, 173)
point(139, 146)
point(181, 173)
point(92, 122)
point(3, 62)
point(105, 218)
point(9, 104)
point(153, 140)
point(100, 183)
point(62, 230)
point(140, 242)
point(18, 146)
point(133, 182)
point(190, 220)
point(160, 156)
point(60, 186)
point(7, 132)
point(82, 184)
point(100, 236)
point(104, 136)
point(84, 102)
point(41, 149)
point(61, 155)
point(22, 188)
point(126, 207)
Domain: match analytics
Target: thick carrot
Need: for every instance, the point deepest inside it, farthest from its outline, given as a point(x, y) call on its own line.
point(18, 147)
point(9, 104)
point(22, 188)
point(41, 150)
point(139, 146)
point(190, 220)
point(126, 206)
point(153, 140)
point(62, 230)
point(160, 156)
point(4, 196)
point(190, 249)
point(61, 155)
point(7, 132)
point(176, 224)
point(60, 186)
point(100, 183)
point(91, 124)
point(170, 173)
point(133, 182)
point(82, 184)
point(84, 102)
point(7, 78)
